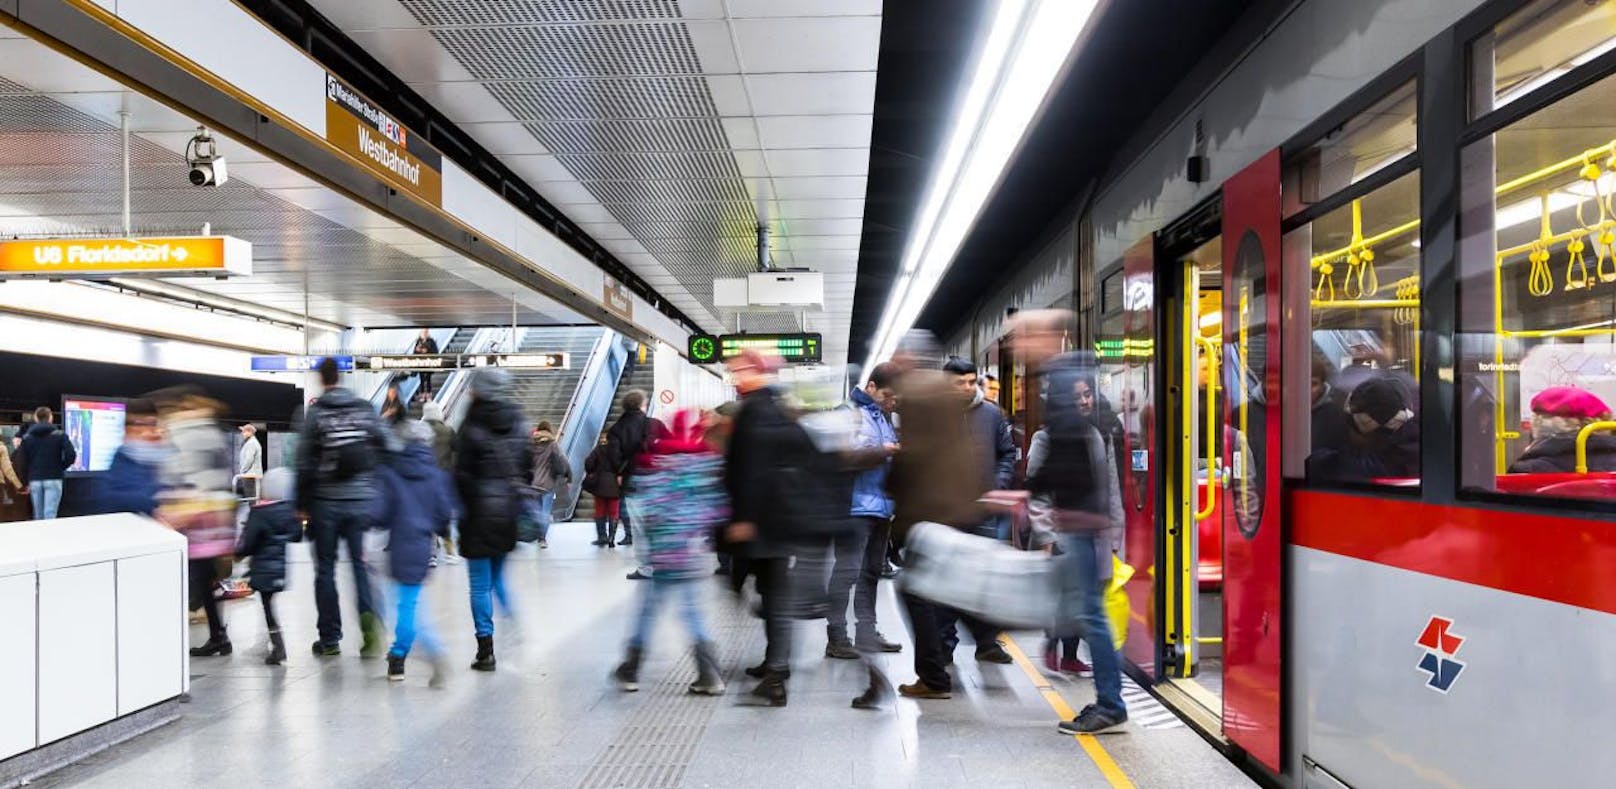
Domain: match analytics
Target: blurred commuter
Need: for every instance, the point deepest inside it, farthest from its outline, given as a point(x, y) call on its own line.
point(425, 346)
point(197, 499)
point(1383, 437)
point(493, 461)
point(8, 474)
point(392, 410)
point(551, 475)
point(720, 424)
point(1071, 474)
point(47, 454)
point(859, 554)
point(779, 502)
point(936, 477)
point(131, 483)
point(443, 438)
point(601, 483)
point(338, 449)
point(415, 504)
point(628, 436)
point(271, 524)
point(681, 495)
point(1329, 428)
point(1559, 414)
point(990, 388)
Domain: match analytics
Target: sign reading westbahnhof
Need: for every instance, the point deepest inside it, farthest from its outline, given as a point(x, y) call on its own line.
point(360, 128)
point(95, 258)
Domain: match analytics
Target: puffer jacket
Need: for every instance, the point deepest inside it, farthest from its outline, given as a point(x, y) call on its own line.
point(600, 474)
point(778, 479)
point(870, 499)
point(493, 458)
point(1559, 455)
point(415, 503)
point(338, 417)
point(270, 526)
point(681, 500)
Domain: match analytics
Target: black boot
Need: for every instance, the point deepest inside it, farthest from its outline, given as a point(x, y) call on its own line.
point(600, 532)
point(628, 535)
point(611, 534)
point(709, 678)
point(772, 689)
point(217, 644)
point(485, 654)
point(628, 672)
point(277, 649)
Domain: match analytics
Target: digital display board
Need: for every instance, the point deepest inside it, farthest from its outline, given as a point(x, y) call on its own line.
point(95, 427)
point(513, 361)
point(297, 364)
point(792, 348)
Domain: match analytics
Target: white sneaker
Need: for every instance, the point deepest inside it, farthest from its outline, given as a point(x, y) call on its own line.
point(452, 558)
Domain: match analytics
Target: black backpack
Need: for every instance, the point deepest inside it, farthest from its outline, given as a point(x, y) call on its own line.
point(345, 443)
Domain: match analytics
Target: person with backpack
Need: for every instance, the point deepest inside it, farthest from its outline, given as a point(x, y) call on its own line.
point(47, 454)
point(271, 524)
point(601, 483)
point(493, 466)
point(551, 475)
point(338, 449)
point(627, 437)
point(415, 504)
point(683, 499)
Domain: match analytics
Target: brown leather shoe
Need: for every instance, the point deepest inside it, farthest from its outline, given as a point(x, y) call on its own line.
point(920, 690)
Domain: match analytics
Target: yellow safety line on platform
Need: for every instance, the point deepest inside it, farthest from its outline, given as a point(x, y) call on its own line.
point(1091, 744)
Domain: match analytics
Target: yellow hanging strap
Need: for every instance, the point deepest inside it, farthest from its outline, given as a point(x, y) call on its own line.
point(1408, 290)
point(1325, 290)
point(1576, 264)
point(1603, 235)
point(1361, 279)
point(1540, 280)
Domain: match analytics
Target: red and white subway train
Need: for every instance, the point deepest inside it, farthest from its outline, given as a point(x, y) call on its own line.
point(1366, 373)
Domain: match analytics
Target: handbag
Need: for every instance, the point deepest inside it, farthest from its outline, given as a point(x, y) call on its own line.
point(980, 576)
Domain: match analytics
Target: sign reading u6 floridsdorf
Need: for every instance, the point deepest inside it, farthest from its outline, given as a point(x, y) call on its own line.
point(401, 158)
point(99, 258)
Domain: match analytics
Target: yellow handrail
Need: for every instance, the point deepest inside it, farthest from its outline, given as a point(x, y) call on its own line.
point(1582, 442)
point(1209, 347)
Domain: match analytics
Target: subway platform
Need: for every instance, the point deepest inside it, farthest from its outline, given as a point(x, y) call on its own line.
point(551, 717)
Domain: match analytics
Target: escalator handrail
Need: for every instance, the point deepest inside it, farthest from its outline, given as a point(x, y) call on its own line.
point(576, 443)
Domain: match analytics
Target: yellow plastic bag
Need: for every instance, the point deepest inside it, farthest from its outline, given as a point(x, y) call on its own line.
point(1117, 607)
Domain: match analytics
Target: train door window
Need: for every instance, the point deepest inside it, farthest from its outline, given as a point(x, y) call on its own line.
point(1534, 46)
point(1537, 290)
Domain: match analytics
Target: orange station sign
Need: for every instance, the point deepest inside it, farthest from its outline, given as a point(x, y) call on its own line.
point(91, 258)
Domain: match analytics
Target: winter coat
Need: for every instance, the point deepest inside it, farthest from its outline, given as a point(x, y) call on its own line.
point(493, 461)
point(681, 500)
point(337, 423)
point(600, 474)
point(990, 434)
point(415, 503)
point(551, 471)
point(197, 499)
point(935, 476)
point(270, 526)
point(627, 440)
point(250, 460)
point(1067, 496)
point(1559, 455)
point(1330, 419)
point(131, 483)
point(46, 452)
point(870, 499)
point(777, 478)
point(1364, 457)
point(443, 437)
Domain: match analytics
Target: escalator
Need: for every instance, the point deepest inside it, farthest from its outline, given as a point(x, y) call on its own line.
point(641, 376)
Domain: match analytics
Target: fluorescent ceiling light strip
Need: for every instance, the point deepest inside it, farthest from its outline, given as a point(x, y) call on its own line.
point(1023, 56)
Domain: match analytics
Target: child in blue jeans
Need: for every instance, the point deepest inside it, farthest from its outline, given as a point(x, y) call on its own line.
point(415, 503)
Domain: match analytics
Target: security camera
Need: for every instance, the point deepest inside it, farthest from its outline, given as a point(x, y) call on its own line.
point(207, 166)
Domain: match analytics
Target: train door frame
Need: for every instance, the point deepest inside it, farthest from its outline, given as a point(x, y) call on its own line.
point(1176, 524)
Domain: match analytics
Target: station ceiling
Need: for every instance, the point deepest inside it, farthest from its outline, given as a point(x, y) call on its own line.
point(667, 129)
point(61, 175)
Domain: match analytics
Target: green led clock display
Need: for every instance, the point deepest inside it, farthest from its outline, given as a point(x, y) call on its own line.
point(703, 349)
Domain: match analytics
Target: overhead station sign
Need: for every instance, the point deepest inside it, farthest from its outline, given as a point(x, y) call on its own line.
point(401, 158)
point(95, 258)
point(792, 348)
point(514, 361)
point(297, 364)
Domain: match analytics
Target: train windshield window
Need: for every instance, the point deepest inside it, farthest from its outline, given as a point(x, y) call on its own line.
point(1534, 46)
point(1359, 362)
point(1373, 140)
point(1537, 317)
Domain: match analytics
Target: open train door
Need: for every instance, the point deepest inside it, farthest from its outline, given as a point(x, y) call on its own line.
point(1252, 583)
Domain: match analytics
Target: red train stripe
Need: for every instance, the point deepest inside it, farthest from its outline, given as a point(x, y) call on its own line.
point(1557, 558)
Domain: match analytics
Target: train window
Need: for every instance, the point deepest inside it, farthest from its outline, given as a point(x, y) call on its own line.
point(1534, 46)
point(1359, 361)
point(1537, 310)
point(1373, 140)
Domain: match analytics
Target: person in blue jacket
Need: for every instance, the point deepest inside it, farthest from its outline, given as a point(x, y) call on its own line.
point(130, 483)
point(415, 502)
point(271, 524)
